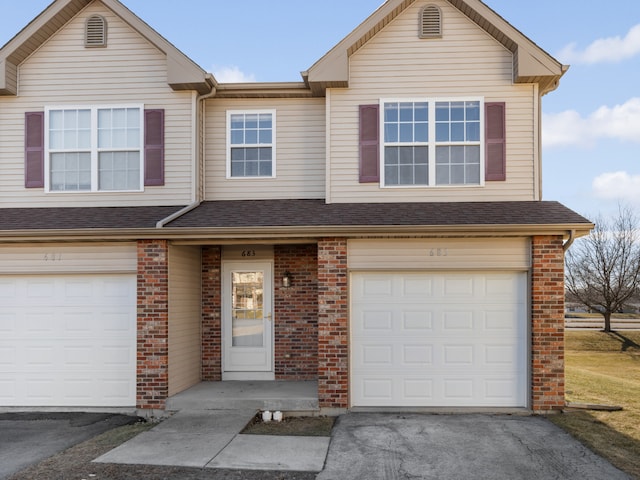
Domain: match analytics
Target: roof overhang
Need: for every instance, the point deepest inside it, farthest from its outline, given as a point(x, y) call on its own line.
point(255, 220)
point(212, 235)
point(182, 72)
point(531, 64)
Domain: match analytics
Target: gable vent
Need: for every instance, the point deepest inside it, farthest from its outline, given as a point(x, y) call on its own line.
point(430, 22)
point(96, 32)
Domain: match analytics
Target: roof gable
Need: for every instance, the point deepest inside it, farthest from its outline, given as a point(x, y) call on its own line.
point(531, 64)
point(182, 72)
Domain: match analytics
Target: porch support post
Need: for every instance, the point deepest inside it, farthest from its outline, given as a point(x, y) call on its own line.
point(211, 313)
point(153, 325)
point(547, 324)
point(333, 328)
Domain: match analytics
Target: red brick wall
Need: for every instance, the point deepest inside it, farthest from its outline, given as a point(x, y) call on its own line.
point(211, 314)
point(296, 312)
point(153, 324)
point(333, 328)
point(547, 324)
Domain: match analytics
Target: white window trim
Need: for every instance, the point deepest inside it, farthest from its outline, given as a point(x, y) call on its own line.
point(432, 143)
point(94, 148)
point(272, 144)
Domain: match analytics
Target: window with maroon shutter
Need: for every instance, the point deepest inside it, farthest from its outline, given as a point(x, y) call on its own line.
point(495, 142)
point(154, 147)
point(369, 143)
point(34, 150)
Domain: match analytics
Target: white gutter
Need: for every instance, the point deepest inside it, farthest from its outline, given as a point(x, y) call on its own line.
point(200, 133)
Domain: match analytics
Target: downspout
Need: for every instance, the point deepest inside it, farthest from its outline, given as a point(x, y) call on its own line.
point(569, 242)
point(199, 133)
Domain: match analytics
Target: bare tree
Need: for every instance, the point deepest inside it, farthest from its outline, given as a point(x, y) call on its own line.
point(603, 269)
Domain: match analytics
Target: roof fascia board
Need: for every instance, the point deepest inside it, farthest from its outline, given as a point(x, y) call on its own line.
point(278, 232)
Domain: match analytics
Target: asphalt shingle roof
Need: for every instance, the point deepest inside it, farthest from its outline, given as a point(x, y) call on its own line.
point(263, 213)
point(291, 213)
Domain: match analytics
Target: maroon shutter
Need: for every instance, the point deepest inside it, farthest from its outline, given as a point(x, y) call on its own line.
point(34, 150)
point(495, 142)
point(369, 143)
point(154, 147)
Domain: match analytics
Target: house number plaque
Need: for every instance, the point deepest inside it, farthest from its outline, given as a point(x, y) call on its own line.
point(52, 257)
point(438, 252)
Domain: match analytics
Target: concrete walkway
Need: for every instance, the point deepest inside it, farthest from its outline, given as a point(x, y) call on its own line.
point(212, 439)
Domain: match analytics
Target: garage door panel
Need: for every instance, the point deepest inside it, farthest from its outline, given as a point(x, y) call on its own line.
point(67, 339)
point(463, 345)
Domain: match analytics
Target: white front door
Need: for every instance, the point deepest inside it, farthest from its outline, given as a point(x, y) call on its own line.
point(247, 313)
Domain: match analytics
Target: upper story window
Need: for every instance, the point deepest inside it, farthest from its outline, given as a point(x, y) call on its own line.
point(94, 149)
point(430, 142)
point(95, 32)
point(430, 22)
point(251, 144)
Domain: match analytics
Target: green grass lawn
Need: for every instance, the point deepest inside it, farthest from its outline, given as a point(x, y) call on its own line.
point(604, 368)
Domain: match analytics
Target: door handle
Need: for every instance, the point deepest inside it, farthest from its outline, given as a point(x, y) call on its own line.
point(269, 316)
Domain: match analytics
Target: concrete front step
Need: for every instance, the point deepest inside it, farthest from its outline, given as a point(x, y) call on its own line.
point(257, 395)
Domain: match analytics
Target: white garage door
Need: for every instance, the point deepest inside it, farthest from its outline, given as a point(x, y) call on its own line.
point(67, 340)
point(438, 339)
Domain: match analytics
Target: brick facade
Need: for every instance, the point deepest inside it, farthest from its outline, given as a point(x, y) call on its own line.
point(296, 312)
point(547, 319)
point(153, 324)
point(211, 313)
point(333, 326)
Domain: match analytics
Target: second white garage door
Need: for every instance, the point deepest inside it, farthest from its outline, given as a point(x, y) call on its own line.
point(439, 339)
point(68, 340)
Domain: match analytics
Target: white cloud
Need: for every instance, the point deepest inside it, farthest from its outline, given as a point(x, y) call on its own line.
point(232, 74)
point(617, 186)
point(569, 128)
point(604, 50)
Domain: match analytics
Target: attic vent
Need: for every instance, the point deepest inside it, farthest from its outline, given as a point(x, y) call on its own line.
point(430, 22)
point(96, 32)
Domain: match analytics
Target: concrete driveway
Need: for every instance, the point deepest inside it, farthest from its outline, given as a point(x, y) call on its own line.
point(27, 438)
point(414, 446)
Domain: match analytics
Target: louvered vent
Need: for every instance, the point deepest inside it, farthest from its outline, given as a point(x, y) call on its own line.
point(431, 22)
point(96, 32)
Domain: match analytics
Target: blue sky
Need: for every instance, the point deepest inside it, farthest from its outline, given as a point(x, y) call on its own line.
point(591, 129)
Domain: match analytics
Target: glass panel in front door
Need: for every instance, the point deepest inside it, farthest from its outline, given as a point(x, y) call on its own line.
point(247, 309)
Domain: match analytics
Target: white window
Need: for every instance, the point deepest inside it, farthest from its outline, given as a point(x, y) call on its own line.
point(93, 149)
point(432, 142)
point(251, 144)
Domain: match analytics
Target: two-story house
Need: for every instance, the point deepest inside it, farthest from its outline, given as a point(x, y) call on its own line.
point(377, 227)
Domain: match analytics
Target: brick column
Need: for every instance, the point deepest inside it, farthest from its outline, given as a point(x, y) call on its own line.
point(153, 324)
point(547, 330)
point(211, 314)
point(296, 312)
point(333, 327)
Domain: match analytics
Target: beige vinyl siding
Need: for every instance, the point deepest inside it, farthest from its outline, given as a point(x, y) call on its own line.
point(128, 71)
point(184, 317)
point(439, 254)
point(300, 150)
point(466, 62)
point(68, 258)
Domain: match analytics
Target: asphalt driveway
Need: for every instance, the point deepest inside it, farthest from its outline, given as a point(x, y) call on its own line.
point(413, 446)
point(27, 438)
